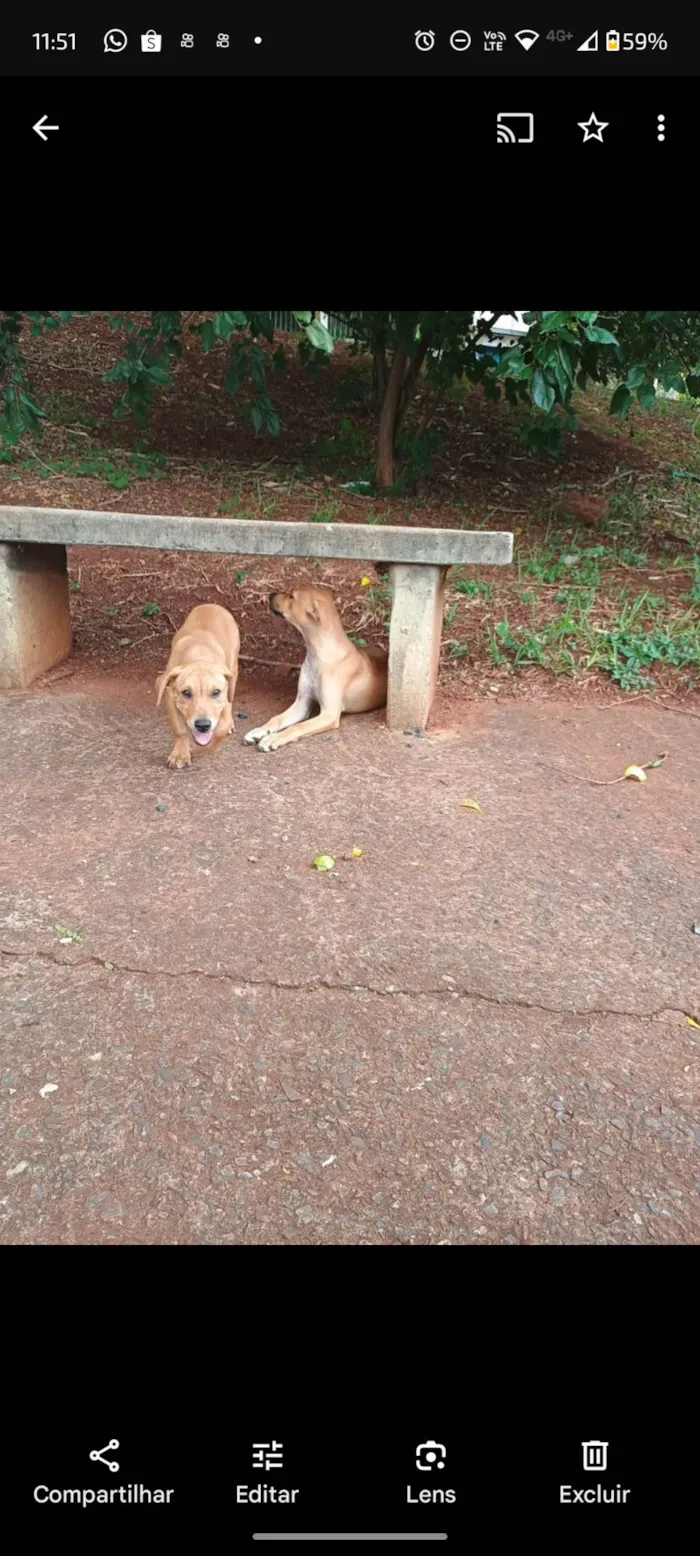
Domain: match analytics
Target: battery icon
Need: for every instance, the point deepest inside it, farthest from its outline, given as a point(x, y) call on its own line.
point(612, 42)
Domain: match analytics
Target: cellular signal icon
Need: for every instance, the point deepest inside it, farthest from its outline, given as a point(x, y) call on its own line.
point(590, 44)
point(527, 37)
point(506, 134)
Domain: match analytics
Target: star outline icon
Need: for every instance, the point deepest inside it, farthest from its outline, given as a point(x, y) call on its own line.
point(593, 128)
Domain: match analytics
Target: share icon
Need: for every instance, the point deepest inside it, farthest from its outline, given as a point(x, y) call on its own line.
point(98, 1452)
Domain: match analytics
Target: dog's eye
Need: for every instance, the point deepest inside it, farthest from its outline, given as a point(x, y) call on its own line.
point(186, 691)
point(216, 692)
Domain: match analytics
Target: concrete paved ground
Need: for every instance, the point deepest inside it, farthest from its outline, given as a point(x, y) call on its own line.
point(476, 1033)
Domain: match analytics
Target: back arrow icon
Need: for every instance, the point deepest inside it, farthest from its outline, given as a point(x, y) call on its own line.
point(41, 125)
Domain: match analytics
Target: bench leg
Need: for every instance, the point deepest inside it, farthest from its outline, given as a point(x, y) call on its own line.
point(414, 642)
point(34, 611)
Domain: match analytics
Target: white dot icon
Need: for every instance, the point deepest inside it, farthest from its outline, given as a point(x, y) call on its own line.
point(661, 122)
point(257, 40)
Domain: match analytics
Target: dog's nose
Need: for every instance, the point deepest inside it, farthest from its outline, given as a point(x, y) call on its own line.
point(202, 724)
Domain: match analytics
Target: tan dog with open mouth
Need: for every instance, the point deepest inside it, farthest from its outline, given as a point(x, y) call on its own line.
point(199, 680)
point(335, 674)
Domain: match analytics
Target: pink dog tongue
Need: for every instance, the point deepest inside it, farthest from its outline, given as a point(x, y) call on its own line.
point(202, 736)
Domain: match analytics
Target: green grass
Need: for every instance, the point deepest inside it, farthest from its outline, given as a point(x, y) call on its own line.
point(326, 513)
point(642, 633)
point(473, 587)
point(118, 470)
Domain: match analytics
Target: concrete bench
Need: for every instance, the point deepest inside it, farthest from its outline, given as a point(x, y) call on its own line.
point(35, 630)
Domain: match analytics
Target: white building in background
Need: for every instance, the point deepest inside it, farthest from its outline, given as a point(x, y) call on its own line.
point(507, 331)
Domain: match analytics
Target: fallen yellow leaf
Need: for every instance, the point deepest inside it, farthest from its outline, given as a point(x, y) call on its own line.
point(636, 772)
point(470, 805)
point(357, 853)
point(364, 582)
point(692, 1023)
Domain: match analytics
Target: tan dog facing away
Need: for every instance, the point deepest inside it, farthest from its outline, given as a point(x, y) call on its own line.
point(199, 680)
point(335, 674)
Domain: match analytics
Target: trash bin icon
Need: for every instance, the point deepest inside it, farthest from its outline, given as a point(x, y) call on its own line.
point(595, 1455)
point(151, 41)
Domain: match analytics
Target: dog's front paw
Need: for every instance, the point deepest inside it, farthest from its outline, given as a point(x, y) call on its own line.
point(269, 743)
point(179, 758)
point(254, 735)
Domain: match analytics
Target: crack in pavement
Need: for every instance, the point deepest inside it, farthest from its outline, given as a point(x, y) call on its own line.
point(318, 982)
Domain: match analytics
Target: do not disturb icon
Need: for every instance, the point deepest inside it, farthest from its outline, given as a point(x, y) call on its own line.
point(97, 1453)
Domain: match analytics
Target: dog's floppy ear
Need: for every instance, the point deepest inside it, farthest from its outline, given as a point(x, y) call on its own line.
point(163, 679)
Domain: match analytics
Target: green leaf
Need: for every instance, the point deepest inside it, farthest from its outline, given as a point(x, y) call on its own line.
point(636, 375)
point(692, 385)
point(601, 337)
point(513, 365)
point(303, 318)
point(319, 336)
point(208, 335)
point(159, 375)
point(620, 403)
point(542, 392)
point(566, 363)
point(646, 394)
point(551, 321)
point(563, 383)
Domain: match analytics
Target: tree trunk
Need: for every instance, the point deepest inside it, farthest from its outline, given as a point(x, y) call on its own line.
point(379, 375)
point(387, 419)
point(411, 377)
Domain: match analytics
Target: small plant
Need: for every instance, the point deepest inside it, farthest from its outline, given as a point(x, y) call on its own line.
point(325, 514)
point(473, 587)
point(449, 616)
point(118, 471)
point(694, 594)
point(151, 609)
point(415, 455)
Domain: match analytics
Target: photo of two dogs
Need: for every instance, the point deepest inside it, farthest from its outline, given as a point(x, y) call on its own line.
point(199, 680)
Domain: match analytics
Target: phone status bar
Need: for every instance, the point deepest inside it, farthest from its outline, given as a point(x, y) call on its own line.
point(291, 45)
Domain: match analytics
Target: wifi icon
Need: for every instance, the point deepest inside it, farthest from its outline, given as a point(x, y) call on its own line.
point(527, 37)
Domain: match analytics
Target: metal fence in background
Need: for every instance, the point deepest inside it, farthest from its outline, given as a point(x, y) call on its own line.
point(336, 324)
